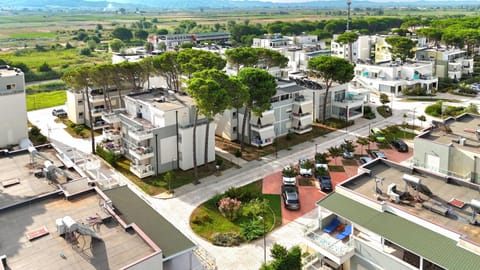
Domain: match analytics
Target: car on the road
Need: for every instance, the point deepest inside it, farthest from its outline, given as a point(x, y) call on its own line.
point(379, 154)
point(59, 113)
point(325, 183)
point(364, 160)
point(400, 145)
point(289, 176)
point(305, 167)
point(290, 197)
point(378, 134)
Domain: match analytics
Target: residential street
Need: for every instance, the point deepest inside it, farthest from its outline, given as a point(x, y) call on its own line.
point(178, 209)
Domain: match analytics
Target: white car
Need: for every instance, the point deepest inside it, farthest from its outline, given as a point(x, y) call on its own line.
point(289, 176)
point(304, 171)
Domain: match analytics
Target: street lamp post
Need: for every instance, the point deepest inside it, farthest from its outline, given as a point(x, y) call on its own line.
point(346, 120)
point(413, 121)
point(264, 241)
point(316, 148)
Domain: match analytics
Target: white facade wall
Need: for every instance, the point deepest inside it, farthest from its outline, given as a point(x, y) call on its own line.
point(76, 107)
point(185, 146)
point(13, 107)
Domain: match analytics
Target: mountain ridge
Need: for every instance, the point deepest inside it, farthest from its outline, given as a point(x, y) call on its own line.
point(219, 4)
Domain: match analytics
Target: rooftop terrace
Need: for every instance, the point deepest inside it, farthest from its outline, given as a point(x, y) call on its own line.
point(439, 208)
point(20, 169)
point(465, 126)
point(115, 249)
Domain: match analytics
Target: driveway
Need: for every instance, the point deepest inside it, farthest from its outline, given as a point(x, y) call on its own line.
point(55, 132)
point(309, 195)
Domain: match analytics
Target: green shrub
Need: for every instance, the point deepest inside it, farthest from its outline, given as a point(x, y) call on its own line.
point(289, 136)
point(36, 137)
point(201, 219)
point(228, 239)
point(252, 229)
point(238, 153)
point(109, 156)
point(241, 194)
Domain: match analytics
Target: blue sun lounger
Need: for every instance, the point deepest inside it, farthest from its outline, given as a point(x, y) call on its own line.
point(346, 232)
point(332, 226)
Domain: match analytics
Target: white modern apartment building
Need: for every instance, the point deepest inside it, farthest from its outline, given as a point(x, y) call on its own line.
point(173, 40)
point(155, 132)
point(298, 49)
point(362, 49)
point(13, 106)
point(392, 77)
point(451, 147)
point(294, 107)
point(453, 64)
point(378, 220)
point(77, 107)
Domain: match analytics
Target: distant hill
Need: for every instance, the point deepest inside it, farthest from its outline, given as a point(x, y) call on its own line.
point(219, 4)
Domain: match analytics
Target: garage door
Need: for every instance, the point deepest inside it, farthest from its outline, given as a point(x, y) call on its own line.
point(433, 163)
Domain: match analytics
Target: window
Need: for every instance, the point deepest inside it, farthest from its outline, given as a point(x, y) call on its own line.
point(234, 129)
point(234, 115)
point(80, 114)
point(80, 102)
point(11, 86)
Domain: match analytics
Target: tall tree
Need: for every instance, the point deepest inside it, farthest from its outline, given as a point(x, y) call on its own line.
point(80, 78)
point(330, 69)
point(122, 33)
point(261, 87)
point(104, 78)
point(335, 152)
point(208, 89)
point(243, 56)
point(239, 95)
point(167, 66)
point(348, 38)
point(401, 47)
point(191, 61)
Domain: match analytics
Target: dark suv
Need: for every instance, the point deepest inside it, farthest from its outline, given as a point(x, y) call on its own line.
point(325, 183)
point(290, 197)
point(400, 145)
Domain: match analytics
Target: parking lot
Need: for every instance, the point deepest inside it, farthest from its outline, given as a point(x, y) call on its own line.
point(309, 195)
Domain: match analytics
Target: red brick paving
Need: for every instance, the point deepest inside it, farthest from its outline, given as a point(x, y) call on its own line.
point(309, 195)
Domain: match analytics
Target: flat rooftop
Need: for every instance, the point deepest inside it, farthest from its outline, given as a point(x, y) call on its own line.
point(117, 247)
point(465, 126)
point(6, 71)
point(19, 167)
point(164, 100)
point(386, 173)
point(168, 238)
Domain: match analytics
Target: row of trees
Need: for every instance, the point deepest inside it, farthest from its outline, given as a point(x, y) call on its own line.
point(212, 89)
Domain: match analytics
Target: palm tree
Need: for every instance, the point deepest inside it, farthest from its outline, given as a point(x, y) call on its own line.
point(335, 152)
point(363, 141)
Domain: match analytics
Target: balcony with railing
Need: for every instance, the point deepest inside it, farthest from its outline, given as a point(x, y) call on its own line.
point(141, 152)
point(339, 251)
point(111, 134)
point(263, 136)
point(142, 171)
point(140, 135)
point(98, 111)
point(112, 117)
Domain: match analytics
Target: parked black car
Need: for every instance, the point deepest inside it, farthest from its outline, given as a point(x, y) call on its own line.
point(290, 197)
point(325, 183)
point(400, 145)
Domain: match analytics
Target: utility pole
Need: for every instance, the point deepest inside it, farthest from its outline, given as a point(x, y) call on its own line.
point(349, 2)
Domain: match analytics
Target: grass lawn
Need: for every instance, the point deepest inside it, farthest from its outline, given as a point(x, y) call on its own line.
point(306, 181)
point(58, 59)
point(207, 220)
point(395, 132)
point(282, 143)
point(76, 131)
point(43, 100)
point(349, 162)
point(336, 168)
point(33, 35)
point(155, 185)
